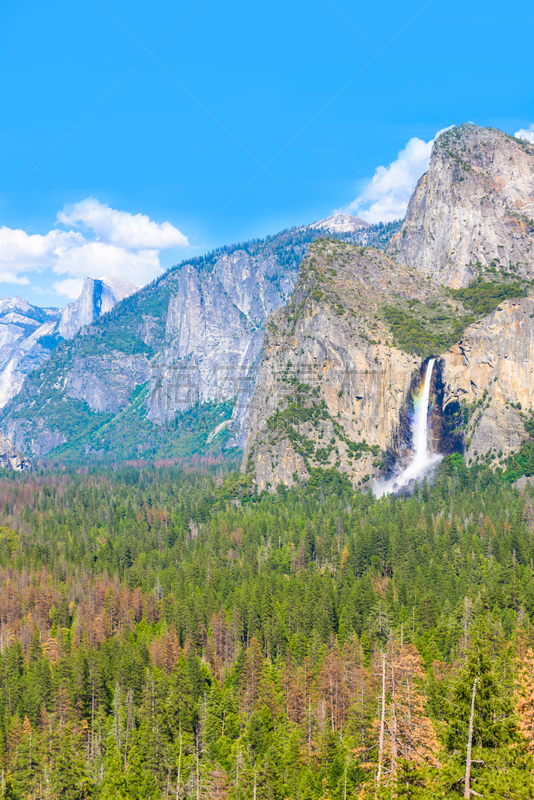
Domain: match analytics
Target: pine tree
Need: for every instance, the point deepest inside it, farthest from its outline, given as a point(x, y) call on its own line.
point(7, 791)
point(213, 722)
point(26, 766)
point(140, 784)
point(69, 779)
point(114, 784)
point(498, 751)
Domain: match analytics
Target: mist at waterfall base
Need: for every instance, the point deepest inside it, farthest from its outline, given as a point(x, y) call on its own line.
point(422, 463)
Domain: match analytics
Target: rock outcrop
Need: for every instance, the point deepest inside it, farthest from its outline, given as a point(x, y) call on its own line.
point(11, 459)
point(472, 210)
point(332, 383)
point(97, 298)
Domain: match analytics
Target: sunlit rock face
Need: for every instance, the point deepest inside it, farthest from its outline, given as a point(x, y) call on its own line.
point(474, 208)
point(214, 334)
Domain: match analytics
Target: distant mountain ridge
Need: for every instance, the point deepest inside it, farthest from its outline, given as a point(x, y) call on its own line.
point(29, 334)
point(128, 383)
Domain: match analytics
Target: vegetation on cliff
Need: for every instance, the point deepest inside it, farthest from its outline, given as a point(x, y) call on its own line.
point(431, 328)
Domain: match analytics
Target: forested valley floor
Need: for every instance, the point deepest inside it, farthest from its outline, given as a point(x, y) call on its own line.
point(165, 633)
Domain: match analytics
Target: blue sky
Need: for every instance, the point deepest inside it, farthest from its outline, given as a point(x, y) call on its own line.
point(224, 120)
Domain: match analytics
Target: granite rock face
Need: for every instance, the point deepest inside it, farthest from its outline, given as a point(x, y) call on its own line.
point(214, 335)
point(97, 298)
point(335, 391)
point(27, 335)
point(106, 382)
point(472, 209)
point(491, 369)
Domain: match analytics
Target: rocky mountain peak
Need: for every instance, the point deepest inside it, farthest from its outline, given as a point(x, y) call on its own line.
point(8, 304)
point(473, 210)
point(98, 297)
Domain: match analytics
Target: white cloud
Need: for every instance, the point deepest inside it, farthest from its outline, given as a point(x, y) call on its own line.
point(527, 135)
point(112, 243)
point(387, 195)
point(12, 277)
point(72, 287)
point(131, 231)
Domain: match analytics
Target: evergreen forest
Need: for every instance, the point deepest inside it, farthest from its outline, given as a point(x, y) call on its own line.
point(166, 633)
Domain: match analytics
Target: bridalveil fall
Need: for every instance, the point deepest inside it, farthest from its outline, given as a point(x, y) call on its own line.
point(421, 460)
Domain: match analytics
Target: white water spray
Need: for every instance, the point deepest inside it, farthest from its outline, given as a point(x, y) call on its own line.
point(422, 461)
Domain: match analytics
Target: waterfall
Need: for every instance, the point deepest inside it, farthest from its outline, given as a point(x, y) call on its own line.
point(421, 461)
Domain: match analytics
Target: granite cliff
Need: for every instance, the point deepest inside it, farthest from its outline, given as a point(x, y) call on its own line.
point(214, 331)
point(342, 360)
point(473, 209)
point(334, 382)
point(491, 372)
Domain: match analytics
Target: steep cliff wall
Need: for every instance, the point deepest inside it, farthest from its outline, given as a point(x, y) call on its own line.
point(491, 372)
point(474, 208)
point(332, 383)
point(214, 334)
point(341, 362)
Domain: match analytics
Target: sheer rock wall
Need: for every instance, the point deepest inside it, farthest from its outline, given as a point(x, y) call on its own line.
point(474, 205)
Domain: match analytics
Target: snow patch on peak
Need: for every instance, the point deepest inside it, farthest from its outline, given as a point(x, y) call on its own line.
point(341, 223)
